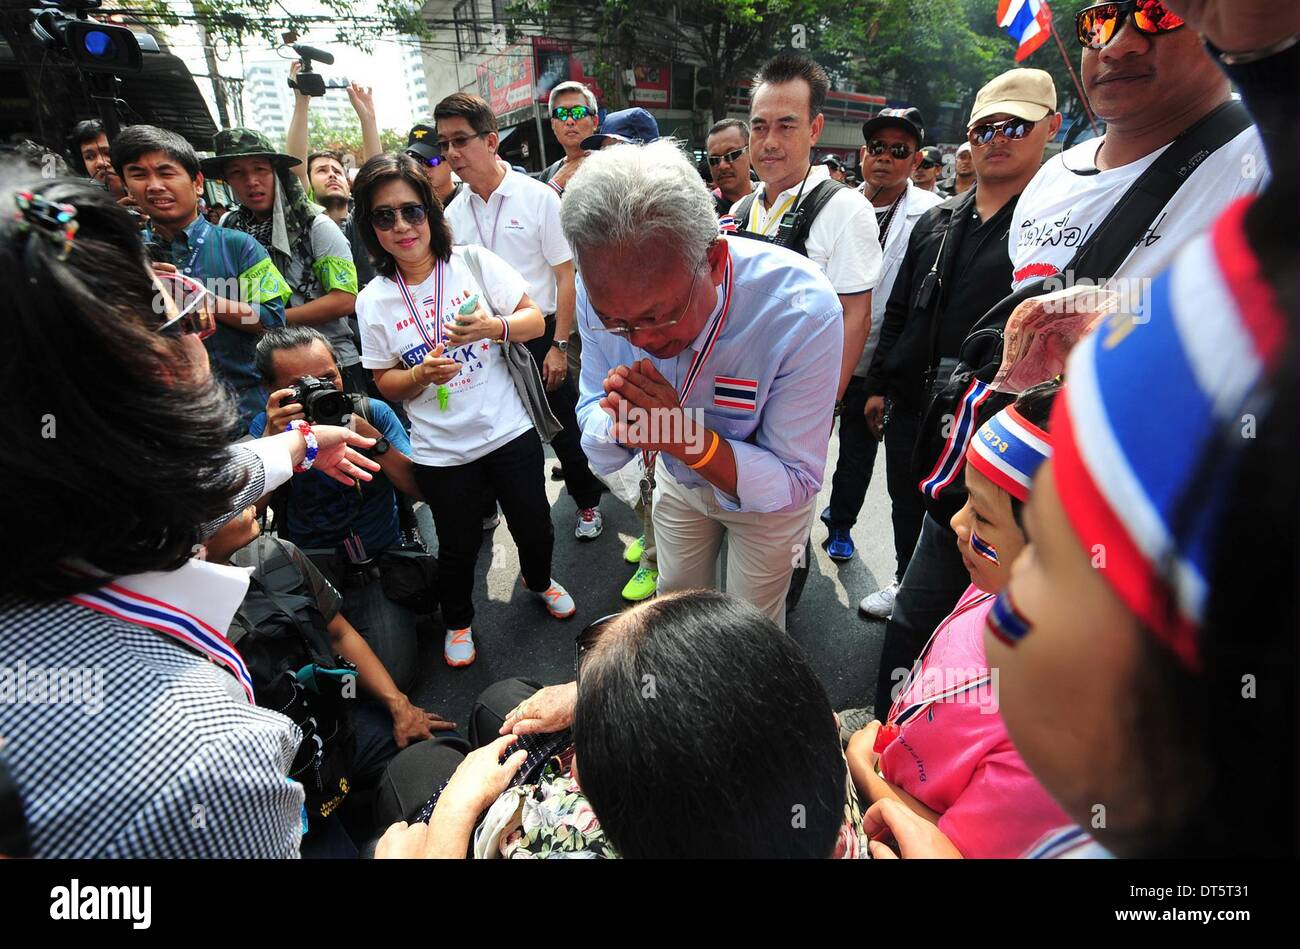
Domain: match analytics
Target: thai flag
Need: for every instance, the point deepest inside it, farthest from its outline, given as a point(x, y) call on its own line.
point(1028, 21)
point(729, 393)
point(983, 548)
point(727, 224)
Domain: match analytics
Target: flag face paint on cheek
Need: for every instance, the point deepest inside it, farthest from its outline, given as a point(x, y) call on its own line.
point(983, 548)
point(1006, 622)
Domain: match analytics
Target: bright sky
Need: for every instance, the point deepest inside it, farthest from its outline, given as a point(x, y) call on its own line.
point(377, 69)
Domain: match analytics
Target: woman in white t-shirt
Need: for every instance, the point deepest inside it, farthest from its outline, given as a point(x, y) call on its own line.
point(470, 430)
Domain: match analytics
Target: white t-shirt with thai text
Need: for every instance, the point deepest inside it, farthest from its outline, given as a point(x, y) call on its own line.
point(484, 410)
point(1066, 201)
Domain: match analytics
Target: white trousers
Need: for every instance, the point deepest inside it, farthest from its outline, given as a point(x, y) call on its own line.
point(762, 549)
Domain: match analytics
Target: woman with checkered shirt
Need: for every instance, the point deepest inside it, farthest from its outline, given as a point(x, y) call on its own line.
point(126, 717)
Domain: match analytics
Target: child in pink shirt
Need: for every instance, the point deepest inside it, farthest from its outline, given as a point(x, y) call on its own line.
point(943, 749)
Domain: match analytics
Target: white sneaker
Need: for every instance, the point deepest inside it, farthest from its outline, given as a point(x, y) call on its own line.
point(458, 647)
point(589, 525)
point(881, 603)
point(558, 602)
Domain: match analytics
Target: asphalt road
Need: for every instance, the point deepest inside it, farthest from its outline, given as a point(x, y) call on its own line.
point(515, 636)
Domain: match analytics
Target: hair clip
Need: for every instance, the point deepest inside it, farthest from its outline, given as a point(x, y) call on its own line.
point(56, 221)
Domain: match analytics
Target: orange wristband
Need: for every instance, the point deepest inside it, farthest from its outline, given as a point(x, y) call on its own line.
point(708, 455)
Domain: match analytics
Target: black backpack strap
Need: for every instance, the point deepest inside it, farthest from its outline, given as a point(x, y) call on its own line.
point(1133, 213)
point(1121, 229)
point(742, 210)
point(809, 208)
point(362, 406)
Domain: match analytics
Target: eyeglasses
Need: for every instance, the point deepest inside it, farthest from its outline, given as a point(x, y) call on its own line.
point(188, 306)
point(386, 218)
point(1013, 130)
point(897, 150)
point(607, 325)
point(587, 639)
point(459, 142)
point(1097, 25)
point(730, 157)
point(433, 162)
point(575, 112)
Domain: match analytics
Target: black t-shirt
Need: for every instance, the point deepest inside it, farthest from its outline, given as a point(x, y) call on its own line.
point(966, 283)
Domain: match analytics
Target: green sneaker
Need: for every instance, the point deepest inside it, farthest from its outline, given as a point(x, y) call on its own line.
point(634, 550)
point(642, 586)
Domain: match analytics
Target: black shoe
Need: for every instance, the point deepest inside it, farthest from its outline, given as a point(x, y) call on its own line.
point(557, 473)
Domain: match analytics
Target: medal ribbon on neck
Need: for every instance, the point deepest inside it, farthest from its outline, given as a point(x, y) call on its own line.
point(117, 601)
point(439, 335)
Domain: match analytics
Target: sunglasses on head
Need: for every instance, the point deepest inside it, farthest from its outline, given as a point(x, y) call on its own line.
point(575, 112)
point(896, 150)
point(1097, 25)
point(386, 218)
point(1013, 130)
point(188, 307)
point(433, 162)
point(729, 157)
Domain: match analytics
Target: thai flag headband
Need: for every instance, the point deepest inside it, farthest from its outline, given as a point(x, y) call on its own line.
point(1007, 450)
point(1145, 399)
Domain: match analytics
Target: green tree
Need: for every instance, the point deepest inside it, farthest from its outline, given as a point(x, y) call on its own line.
point(728, 38)
point(345, 136)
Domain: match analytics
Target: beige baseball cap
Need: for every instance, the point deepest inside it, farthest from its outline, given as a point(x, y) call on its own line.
point(1027, 94)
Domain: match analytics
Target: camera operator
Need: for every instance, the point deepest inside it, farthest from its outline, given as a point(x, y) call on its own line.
point(343, 529)
point(308, 248)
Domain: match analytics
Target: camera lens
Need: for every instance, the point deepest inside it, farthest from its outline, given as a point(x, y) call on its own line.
point(99, 44)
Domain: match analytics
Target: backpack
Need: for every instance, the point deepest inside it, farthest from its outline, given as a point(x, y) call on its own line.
point(796, 224)
point(965, 402)
point(282, 637)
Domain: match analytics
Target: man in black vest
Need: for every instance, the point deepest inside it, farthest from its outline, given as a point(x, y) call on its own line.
point(800, 208)
point(956, 268)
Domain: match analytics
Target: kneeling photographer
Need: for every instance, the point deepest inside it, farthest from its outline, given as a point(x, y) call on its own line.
point(351, 533)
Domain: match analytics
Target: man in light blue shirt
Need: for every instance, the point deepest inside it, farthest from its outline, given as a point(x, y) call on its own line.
point(722, 357)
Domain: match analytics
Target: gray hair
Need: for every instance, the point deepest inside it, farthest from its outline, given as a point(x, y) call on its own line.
point(571, 86)
point(649, 195)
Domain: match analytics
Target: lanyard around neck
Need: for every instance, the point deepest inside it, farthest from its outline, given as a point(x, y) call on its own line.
point(438, 334)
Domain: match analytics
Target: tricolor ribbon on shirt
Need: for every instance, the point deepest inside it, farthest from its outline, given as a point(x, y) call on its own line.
point(701, 357)
point(438, 335)
point(131, 607)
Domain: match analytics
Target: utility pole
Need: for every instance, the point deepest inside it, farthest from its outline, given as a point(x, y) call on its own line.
point(214, 76)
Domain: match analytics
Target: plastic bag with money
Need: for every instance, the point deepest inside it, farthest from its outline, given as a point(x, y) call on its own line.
point(1042, 330)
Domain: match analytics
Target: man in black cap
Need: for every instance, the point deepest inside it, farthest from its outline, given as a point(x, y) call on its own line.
point(306, 246)
point(926, 175)
point(890, 153)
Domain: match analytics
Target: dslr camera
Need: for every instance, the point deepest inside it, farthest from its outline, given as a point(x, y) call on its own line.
point(322, 404)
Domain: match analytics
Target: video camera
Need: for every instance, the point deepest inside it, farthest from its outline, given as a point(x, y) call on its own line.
point(100, 52)
point(322, 404)
point(91, 46)
point(310, 83)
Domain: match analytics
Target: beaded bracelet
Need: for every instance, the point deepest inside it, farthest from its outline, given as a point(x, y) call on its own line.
point(304, 429)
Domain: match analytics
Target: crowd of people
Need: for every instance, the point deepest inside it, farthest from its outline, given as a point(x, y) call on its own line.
point(225, 418)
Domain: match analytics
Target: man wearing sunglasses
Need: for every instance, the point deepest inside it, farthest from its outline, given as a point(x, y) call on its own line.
point(727, 145)
point(518, 219)
point(573, 118)
point(890, 153)
point(935, 299)
point(1149, 79)
point(928, 169)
